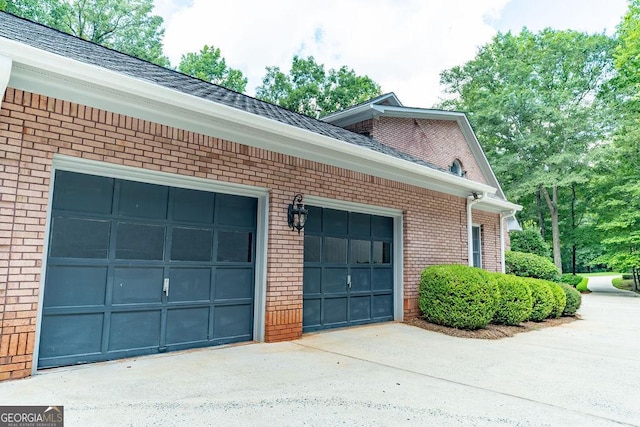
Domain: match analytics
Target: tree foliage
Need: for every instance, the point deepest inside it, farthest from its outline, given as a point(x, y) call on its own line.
point(619, 163)
point(210, 66)
point(124, 25)
point(529, 240)
point(309, 89)
point(533, 99)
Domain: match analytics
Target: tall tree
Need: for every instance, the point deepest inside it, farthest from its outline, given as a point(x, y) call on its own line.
point(210, 66)
point(124, 25)
point(309, 89)
point(534, 102)
point(619, 163)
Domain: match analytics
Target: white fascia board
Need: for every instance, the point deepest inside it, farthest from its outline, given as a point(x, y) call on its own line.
point(359, 113)
point(5, 74)
point(53, 75)
point(494, 205)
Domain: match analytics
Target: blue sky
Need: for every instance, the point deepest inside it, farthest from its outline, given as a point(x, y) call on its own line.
point(401, 44)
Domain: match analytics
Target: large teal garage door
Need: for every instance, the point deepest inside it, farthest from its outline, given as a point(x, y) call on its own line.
point(348, 269)
point(136, 268)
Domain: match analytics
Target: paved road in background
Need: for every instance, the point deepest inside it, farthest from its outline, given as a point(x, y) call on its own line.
point(602, 284)
point(584, 373)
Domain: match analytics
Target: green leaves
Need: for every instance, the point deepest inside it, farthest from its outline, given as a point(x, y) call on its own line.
point(309, 89)
point(124, 25)
point(210, 66)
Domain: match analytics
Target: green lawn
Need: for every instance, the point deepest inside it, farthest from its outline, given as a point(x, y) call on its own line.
point(625, 285)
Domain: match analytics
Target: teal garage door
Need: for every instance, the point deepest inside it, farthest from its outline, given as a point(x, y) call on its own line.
point(348, 269)
point(137, 268)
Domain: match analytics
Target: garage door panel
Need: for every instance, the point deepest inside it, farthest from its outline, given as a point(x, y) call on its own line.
point(233, 283)
point(382, 279)
point(334, 280)
point(79, 238)
point(75, 285)
point(137, 285)
point(83, 193)
point(382, 227)
point(360, 308)
point(71, 334)
point(335, 310)
point(192, 206)
point(234, 321)
point(236, 211)
point(187, 325)
point(335, 250)
point(189, 284)
point(141, 200)
point(312, 280)
point(131, 330)
point(335, 221)
point(383, 306)
point(360, 279)
point(359, 224)
point(140, 241)
point(311, 312)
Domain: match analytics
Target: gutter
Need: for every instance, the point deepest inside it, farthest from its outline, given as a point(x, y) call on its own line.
point(472, 200)
point(503, 216)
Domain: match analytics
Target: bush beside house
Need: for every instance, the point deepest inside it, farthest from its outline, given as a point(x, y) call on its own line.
point(530, 265)
point(458, 296)
point(469, 298)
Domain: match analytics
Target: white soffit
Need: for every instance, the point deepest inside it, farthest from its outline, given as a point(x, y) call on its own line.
point(5, 74)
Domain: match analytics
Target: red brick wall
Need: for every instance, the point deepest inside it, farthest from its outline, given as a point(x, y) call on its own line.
point(436, 141)
point(33, 128)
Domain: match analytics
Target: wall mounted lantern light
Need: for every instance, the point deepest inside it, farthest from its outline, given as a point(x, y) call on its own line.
point(297, 214)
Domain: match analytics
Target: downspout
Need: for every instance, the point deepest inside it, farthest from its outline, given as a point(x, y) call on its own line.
point(503, 216)
point(471, 200)
point(5, 74)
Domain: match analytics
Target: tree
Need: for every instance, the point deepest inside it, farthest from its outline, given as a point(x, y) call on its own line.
point(127, 26)
point(619, 163)
point(309, 89)
point(534, 101)
point(210, 66)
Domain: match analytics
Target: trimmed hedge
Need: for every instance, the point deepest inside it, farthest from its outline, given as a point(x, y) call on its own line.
point(571, 279)
point(530, 265)
point(573, 297)
point(560, 300)
point(458, 296)
point(582, 286)
point(543, 299)
point(515, 302)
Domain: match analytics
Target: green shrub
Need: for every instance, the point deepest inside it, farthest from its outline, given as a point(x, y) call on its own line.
point(627, 276)
point(459, 296)
point(574, 299)
point(530, 265)
point(530, 241)
point(582, 286)
point(571, 279)
point(515, 301)
point(543, 299)
point(560, 300)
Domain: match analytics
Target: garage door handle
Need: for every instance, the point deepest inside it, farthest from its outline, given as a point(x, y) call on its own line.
point(165, 286)
point(349, 280)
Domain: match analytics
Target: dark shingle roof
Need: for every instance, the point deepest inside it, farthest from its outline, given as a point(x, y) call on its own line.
point(57, 42)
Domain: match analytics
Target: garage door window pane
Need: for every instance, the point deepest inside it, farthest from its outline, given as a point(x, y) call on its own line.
point(140, 241)
point(312, 248)
point(335, 250)
point(191, 244)
point(381, 252)
point(79, 238)
point(234, 246)
point(360, 251)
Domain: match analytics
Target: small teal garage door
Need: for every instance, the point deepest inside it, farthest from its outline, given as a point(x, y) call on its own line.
point(136, 268)
point(348, 269)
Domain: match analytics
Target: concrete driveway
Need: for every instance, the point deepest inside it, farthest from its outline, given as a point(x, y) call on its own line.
point(581, 374)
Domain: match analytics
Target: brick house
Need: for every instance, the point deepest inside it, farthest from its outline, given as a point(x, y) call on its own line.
point(143, 211)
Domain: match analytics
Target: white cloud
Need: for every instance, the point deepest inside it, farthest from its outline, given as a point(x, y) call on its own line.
point(403, 45)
